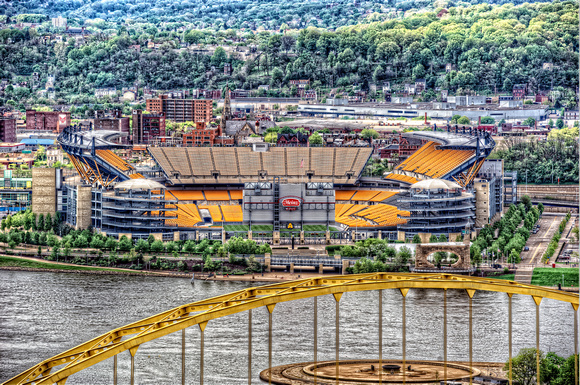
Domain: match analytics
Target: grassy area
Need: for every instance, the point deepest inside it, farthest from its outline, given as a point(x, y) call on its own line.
point(507, 277)
point(24, 263)
point(545, 276)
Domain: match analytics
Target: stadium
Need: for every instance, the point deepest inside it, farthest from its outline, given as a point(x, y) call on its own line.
point(275, 193)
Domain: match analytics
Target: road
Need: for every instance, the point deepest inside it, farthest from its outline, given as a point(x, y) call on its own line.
point(539, 242)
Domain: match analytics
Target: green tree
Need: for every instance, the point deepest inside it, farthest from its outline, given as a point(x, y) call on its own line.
point(125, 243)
point(142, 246)
point(315, 139)
point(531, 122)
point(463, 120)
point(487, 120)
point(219, 57)
point(369, 133)
point(433, 238)
point(524, 366)
point(157, 247)
point(560, 123)
point(416, 239)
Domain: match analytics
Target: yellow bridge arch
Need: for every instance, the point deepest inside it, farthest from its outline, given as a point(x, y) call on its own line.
point(131, 336)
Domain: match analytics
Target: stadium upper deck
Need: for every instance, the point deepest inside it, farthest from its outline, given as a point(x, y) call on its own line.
point(455, 156)
point(237, 165)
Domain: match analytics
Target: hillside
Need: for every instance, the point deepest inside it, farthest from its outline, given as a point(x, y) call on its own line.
point(491, 48)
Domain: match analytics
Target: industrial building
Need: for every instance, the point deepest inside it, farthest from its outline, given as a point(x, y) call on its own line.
point(54, 121)
point(440, 110)
point(7, 130)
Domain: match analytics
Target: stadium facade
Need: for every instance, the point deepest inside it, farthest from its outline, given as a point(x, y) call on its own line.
point(195, 191)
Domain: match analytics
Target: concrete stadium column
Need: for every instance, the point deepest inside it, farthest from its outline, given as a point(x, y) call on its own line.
point(128, 235)
point(84, 204)
point(453, 236)
point(268, 262)
point(424, 237)
point(250, 235)
point(44, 190)
point(302, 238)
point(158, 236)
point(223, 236)
point(345, 265)
point(353, 236)
point(176, 236)
point(292, 268)
point(380, 235)
point(276, 238)
point(327, 235)
point(401, 236)
point(197, 235)
point(320, 268)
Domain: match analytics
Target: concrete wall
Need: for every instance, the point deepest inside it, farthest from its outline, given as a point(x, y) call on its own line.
point(44, 191)
point(84, 204)
point(482, 209)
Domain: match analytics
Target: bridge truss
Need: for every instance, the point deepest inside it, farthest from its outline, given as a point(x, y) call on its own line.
point(130, 337)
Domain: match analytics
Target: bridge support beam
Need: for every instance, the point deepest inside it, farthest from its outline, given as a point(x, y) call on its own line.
point(133, 351)
point(182, 357)
point(445, 336)
point(510, 374)
point(470, 293)
point(320, 268)
point(538, 300)
point(115, 370)
point(315, 336)
point(575, 307)
point(250, 347)
point(381, 336)
point(337, 297)
point(270, 310)
point(201, 348)
point(404, 336)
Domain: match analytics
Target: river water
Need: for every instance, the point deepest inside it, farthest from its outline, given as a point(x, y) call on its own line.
point(43, 314)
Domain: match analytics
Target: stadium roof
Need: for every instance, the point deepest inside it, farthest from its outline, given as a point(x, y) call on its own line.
point(435, 184)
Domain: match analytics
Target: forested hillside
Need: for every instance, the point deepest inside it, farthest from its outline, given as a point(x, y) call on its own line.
point(268, 14)
point(492, 49)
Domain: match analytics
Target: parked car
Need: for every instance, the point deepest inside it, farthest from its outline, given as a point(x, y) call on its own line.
point(526, 248)
point(496, 266)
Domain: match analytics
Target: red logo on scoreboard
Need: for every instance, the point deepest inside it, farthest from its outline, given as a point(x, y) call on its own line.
point(291, 202)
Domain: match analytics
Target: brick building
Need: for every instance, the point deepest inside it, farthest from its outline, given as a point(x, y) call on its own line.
point(7, 130)
point(202, 136)
point(147, 126)
point(47, 121)
point(114, 122)
point(182, 110)
point(519, 91)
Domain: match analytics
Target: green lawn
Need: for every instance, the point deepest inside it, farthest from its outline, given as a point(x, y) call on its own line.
point(17, 262)
point(545, 276)
point(508, 277)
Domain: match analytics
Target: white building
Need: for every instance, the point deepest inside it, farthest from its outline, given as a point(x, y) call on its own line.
point(59, 22)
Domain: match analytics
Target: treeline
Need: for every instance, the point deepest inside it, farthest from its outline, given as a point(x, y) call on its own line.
point(513, 232)
point(554, 160)
point(269, 14)
point(492, 48)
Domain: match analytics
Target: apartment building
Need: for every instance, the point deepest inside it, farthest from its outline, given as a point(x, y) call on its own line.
point(182, 110)
point(147, 126)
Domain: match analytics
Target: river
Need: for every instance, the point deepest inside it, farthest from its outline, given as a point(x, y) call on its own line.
point(43, 314)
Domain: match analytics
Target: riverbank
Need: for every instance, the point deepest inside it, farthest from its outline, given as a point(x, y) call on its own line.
point(37, 265)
